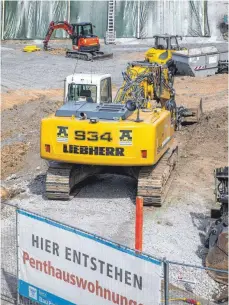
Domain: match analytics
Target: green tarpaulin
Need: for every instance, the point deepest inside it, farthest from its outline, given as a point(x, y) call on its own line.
point(30, 19)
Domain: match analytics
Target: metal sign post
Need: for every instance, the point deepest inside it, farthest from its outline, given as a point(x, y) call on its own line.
point(139, 224)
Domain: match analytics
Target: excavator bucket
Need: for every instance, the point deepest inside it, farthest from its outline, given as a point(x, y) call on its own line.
point(217, 258)
point(194, 114)
point(186, 115)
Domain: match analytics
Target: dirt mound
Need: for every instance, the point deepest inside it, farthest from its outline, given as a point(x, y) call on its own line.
point(9, 193)
point(202, 148)
point(20, 135)
point(213, 127)
point(58, 51)
point(13, 98)
point(210, 132)
point(12, 158)
point(4, 193)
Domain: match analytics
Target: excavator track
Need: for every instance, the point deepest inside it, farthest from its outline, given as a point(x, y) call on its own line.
point(88, 56)
point(61, 179)
point(154, 181)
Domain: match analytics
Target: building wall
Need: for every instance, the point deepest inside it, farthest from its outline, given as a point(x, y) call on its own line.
point(30, 19)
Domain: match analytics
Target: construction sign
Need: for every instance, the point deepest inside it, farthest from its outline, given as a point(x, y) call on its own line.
point(59, 264)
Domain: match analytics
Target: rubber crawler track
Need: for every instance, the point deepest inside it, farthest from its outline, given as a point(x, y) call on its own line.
point(154, 181)
point(62, 177)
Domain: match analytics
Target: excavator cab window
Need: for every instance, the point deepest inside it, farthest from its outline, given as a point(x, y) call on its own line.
point(105, 90)
point(174, 43)
point(161, 43)
point(75, 91)
point(85, 30)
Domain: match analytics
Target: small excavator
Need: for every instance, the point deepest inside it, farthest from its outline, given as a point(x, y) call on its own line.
point(85, 45)
point(134, 135)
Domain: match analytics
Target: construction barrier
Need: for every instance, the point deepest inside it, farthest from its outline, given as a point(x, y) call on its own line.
point(28, 238)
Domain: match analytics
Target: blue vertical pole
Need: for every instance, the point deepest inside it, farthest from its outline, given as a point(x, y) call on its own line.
point(166, 281)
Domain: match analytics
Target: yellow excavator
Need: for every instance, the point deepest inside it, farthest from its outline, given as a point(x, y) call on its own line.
point(133, 135)
point(161, 52)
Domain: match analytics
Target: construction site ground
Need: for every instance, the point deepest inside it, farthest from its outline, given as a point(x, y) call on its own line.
point(32, 89)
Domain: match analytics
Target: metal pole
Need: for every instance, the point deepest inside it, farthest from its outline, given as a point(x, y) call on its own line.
point(139, 224)
point(17, 236)
point(204, 5)
point(69, 15)
point(138, 21)
point(166, 281)
point(3, 18)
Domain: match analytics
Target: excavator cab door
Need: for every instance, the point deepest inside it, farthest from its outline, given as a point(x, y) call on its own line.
point(85, 30)
point(174, 44)
point(161, 43)
point(105, 90)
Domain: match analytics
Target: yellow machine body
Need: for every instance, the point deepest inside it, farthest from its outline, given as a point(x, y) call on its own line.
point(158, 56)
point(163, 49)
point(114, 143)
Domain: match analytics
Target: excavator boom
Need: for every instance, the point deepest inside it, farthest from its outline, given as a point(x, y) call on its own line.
point(54, 26)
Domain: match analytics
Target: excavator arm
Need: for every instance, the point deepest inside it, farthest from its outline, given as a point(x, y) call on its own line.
point(54, 26)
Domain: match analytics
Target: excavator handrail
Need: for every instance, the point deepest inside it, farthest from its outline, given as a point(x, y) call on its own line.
point(54, 25)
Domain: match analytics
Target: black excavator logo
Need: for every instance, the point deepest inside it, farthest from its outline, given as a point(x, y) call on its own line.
point(62, 131)
point(125, 137)
point(62, 134)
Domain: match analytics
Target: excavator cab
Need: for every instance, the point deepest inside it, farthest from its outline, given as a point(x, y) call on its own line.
point(83, 29)
point(88, 88)
point(83, 38)
point(167, 42)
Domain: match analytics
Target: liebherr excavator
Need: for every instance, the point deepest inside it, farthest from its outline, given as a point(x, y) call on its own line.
point(133, 135)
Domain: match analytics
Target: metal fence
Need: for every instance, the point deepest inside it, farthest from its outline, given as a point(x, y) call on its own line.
point(181, 283)
point(194, 284)
point(8, 254)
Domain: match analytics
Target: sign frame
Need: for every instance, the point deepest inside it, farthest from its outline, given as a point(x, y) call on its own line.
point(28, 290)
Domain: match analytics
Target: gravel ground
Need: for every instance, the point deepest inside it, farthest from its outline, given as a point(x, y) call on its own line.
point(105, 206)
point(48, 71)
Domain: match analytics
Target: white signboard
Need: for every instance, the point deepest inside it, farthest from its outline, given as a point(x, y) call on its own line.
point(62, 265)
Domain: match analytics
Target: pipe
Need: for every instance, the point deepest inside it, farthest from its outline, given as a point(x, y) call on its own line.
point(83, 116)
point(186, 300)
point(3, 18)
point(139, 224)
point(204, 6)
point(166, 281)
point(138, 21)
point(69, 13)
